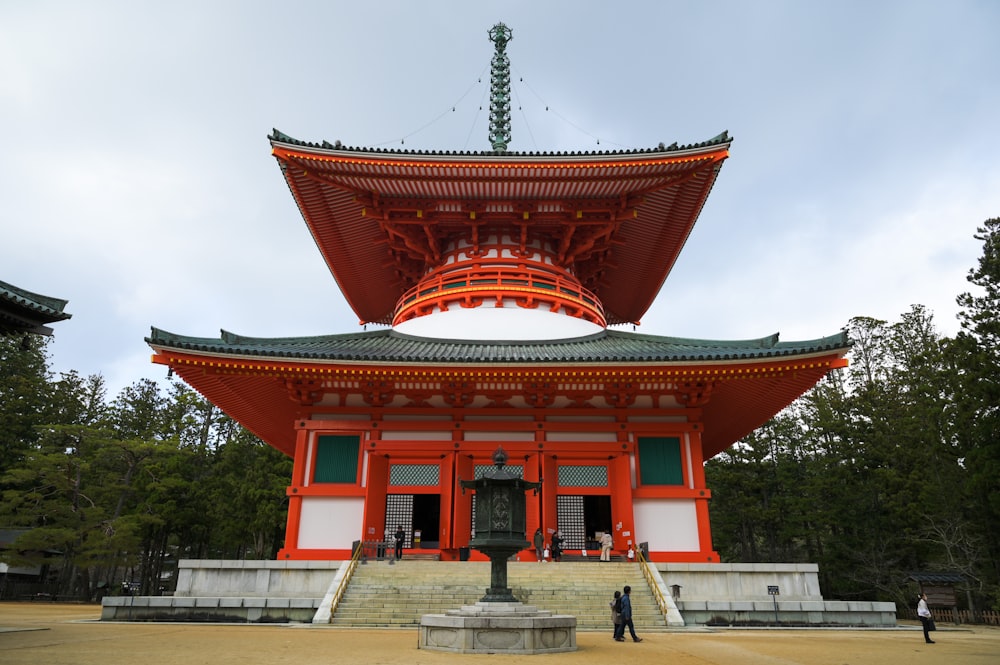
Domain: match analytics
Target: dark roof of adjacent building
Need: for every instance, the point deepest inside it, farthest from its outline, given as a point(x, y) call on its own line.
point(936, 578)
point(24, 311)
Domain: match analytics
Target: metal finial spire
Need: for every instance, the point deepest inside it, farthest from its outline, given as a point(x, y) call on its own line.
point(500, 34)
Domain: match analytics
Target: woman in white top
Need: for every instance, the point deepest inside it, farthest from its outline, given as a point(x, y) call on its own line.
point(606, 544)
point(925, 617)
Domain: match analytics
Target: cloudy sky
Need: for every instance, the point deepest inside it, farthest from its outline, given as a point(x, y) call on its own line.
point(136, 179)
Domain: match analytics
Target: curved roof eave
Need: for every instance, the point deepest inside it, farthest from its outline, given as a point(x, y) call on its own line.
point(279, 137)
point(666, 187)
point(390, 347)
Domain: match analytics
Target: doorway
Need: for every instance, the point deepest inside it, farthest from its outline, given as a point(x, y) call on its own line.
point(427, 520)
point(581, 517)
point(596, 517)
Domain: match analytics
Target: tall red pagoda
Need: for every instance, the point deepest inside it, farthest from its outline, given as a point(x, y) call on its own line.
point(498, 275)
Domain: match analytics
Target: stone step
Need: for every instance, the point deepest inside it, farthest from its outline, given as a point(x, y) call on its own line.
point(382, 595)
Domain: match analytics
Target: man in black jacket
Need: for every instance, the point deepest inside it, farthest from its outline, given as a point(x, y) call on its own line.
point(626, 618)
point(399, 536)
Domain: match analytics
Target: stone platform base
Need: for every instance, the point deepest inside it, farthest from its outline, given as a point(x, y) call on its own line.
point(512, 628)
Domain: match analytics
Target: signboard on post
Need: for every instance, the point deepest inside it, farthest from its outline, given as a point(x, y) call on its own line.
point(773, 592)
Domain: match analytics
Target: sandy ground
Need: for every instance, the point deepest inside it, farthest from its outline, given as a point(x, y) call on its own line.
point(68, 634)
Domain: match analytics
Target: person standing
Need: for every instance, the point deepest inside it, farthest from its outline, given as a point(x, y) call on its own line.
point(926, 620)
point(539, 541)
point(606, 544)
point(557, 541)
point(626, 618)
point(616, 613)
point(399, 537)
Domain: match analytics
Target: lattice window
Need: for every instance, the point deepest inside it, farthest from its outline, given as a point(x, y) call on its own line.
point(415, 475)
point(569, 511)
point(513, 469)
point(583, 476)
point(399, 512)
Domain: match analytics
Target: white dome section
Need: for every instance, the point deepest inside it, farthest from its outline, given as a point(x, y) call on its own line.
point(498, 323)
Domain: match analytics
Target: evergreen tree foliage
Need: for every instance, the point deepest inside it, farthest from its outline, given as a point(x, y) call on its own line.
point(977, 360)
point(118, 492)
point(888, 467)
point(24, 395)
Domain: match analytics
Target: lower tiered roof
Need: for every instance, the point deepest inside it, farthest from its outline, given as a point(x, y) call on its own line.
point(735, 385)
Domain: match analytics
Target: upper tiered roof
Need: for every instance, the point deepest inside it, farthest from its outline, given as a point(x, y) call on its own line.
point(380, 217)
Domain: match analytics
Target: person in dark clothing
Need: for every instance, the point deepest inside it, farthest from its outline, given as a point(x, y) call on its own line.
point(399, 537)
point(539, 542)
point(557, 541)
point(626, 618)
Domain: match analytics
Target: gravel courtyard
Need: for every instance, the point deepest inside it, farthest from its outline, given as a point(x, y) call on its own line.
point(70, 634)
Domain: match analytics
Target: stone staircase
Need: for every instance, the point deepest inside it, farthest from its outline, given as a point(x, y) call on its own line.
point(395, 596)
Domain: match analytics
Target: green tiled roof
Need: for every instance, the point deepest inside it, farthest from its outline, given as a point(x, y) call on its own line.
point(390, 346)
point(281, 137)
point(24, 311)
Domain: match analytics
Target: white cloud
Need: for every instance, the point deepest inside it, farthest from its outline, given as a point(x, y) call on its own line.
point(136, 179)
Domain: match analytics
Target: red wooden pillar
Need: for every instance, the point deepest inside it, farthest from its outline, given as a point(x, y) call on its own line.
point(446, 485)
point(376, 488)
point(701, 502)
point(299, 464)
point(461, 529)
point(620, 480)
point(533, 501)
point(550, 490)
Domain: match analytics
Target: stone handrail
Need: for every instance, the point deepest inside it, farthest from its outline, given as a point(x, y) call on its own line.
point(326, 610)
point(665, 603)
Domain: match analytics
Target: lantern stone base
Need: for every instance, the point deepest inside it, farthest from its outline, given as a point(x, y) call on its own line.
point(512, 628)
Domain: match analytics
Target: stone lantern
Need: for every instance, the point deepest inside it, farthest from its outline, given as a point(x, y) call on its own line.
point(499, 623)
point(500, 522)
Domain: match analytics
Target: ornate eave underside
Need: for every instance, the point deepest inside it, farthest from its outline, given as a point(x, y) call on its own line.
point(26, 312)
point(618, 220)
point(266, 384)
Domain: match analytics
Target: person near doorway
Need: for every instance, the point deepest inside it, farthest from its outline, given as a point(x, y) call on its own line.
point(399, 537)
point(926, 619)
point(606, 544)
point(539, 542)
point(626, 618)
point(616, 613)
point(557, 543)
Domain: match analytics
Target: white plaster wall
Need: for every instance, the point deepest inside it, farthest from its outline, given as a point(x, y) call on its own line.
point(498, 436)
point(506, 323)
point(667, 524)
point(595, 437)
point(389, 435)
point(330, 522)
